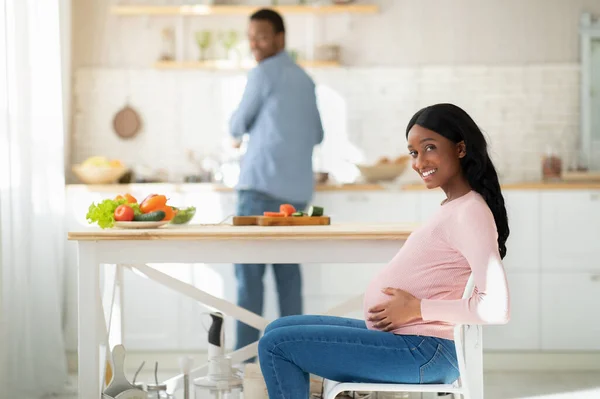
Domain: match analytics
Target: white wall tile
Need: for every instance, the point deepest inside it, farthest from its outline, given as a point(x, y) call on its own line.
point(522, 110)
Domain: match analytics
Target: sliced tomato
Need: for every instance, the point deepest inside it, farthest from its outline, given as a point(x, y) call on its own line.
point(287, 209)
point(274, 214)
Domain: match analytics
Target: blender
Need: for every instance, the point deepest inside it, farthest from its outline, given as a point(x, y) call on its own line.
point(222, 381)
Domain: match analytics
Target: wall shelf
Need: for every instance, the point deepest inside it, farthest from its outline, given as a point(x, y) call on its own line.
point(200, 10)
point(225, 65)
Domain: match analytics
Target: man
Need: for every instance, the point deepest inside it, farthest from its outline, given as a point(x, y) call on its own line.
point(278, 111)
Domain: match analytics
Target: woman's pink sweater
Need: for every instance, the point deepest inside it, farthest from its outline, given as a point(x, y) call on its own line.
point(435, 263)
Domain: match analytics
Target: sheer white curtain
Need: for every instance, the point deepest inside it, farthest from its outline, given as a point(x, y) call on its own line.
point(31, 199)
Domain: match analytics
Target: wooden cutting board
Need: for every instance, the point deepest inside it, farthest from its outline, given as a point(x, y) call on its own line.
point(281, 221)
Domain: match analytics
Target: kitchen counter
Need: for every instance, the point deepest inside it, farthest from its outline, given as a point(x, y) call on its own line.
point(201, 187)
point(540, 185)
point(226, 231)
point(215, 187)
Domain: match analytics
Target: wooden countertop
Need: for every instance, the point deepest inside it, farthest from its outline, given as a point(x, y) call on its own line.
point(559, 185)
point(213, 187)
point(350, 231)
point(203, 187)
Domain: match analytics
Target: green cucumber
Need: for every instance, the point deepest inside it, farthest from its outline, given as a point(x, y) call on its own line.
point(299, 213)
point(315, 211)
point(155, 216)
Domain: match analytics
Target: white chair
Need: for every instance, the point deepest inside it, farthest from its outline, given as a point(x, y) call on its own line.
point(467, 339)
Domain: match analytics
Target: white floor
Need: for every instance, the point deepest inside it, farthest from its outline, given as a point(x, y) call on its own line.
point(542, 385)
point(521, 385)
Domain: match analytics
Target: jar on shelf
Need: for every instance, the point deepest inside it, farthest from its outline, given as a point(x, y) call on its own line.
point(551, 165)
point(167, 51)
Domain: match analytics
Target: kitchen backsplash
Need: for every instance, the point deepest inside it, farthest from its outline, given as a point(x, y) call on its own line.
point(522, 109)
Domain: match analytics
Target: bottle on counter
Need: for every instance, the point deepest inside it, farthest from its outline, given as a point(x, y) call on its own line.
point(551, 165)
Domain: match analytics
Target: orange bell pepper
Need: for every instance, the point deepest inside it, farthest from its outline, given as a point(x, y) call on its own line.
point(169, 212)
point(153, 203)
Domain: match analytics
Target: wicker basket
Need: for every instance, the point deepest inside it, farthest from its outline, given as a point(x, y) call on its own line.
point(99, 174)
point(381, 172)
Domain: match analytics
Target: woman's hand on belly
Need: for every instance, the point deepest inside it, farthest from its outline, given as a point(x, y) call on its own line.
point(399, 309)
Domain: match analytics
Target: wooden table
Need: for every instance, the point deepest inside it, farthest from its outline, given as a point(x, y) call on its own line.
point(337, 243)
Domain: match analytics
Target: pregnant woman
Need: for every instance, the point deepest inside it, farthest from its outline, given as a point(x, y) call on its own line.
point(412, 305)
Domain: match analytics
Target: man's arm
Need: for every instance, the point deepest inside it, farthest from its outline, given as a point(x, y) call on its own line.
point(252, 100)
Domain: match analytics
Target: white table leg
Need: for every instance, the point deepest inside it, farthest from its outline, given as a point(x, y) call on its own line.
point(88, 333)
point(119, 318)
point(112, 303)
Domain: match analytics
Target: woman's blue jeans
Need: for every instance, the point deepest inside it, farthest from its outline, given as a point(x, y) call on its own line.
point(344, 350)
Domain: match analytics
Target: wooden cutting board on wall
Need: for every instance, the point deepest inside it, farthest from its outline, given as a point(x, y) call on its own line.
point(281, 221)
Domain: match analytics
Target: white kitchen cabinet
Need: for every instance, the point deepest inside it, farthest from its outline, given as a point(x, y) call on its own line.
point(570, 230)
point(369, 206)
point(152, 318)
point(570, 309)
point(523, 244)
point(338, 278)
point(522, 332)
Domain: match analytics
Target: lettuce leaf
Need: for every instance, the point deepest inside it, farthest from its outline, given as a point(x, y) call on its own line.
point(136, 209)
point(103, 213)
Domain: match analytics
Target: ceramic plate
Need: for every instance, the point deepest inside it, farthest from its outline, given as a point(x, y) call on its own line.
point(140, 225)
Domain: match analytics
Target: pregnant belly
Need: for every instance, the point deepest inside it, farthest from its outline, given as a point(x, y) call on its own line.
point(373, 297)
